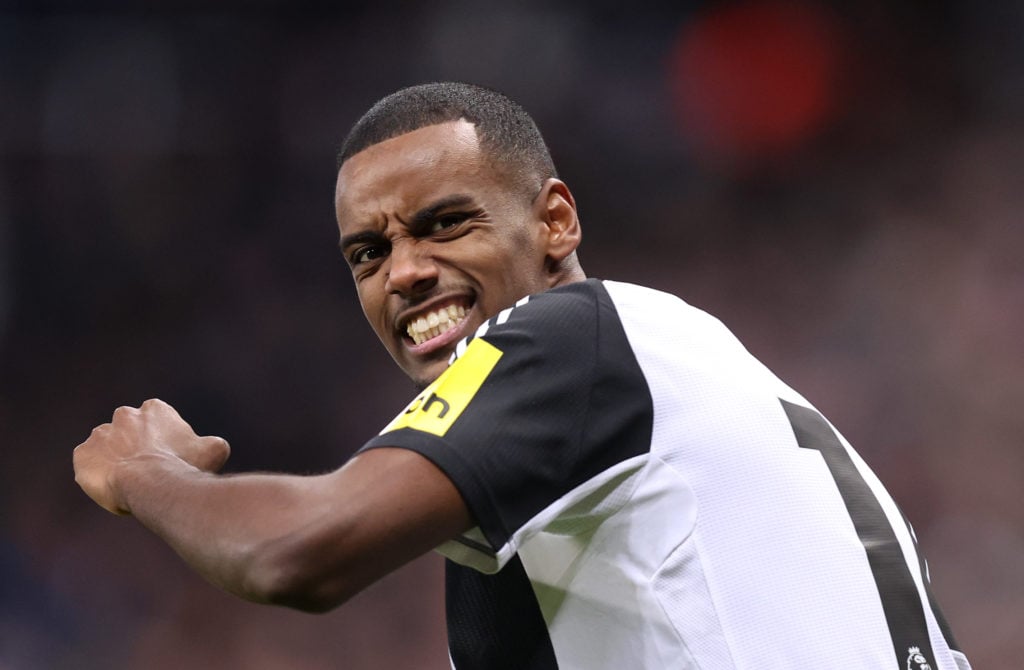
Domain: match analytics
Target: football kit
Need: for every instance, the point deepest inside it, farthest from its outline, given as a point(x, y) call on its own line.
point(648, 495)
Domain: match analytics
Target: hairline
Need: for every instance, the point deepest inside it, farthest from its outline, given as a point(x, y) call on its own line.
point(524, 178)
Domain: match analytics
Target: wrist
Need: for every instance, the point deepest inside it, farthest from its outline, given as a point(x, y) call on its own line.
point(144, 477)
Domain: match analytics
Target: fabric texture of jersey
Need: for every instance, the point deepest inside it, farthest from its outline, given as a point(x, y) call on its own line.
point(649, 495)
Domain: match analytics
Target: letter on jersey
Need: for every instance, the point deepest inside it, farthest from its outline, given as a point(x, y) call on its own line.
point(440, 404)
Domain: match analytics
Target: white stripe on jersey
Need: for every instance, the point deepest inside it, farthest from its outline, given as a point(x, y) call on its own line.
point(502, 317)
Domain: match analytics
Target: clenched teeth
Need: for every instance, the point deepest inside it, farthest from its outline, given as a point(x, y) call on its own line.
point(434, 323)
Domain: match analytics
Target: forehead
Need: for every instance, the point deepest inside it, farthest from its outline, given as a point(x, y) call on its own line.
point(400, 172)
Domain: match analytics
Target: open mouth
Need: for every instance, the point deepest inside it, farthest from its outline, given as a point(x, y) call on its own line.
point(434, 323)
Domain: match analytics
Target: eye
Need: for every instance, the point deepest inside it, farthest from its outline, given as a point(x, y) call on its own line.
point(368, 254)
point(446, 221)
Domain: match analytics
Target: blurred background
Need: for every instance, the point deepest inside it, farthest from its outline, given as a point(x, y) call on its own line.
point(841, 183)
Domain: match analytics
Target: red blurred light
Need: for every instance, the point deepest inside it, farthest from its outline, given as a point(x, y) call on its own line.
point(755, 78)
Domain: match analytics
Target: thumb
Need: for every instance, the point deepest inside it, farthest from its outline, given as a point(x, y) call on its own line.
point(213, 453)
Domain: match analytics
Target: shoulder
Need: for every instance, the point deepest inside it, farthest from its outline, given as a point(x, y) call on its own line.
point(553, 316)
point(573, 299)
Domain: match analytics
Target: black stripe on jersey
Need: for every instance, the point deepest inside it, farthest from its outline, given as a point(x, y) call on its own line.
point(940, 617)
point(586, 406)
point(901, 601)
point(566, 401)
point(474, 545)
point(494, 621)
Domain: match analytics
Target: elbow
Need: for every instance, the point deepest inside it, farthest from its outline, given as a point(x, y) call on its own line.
point(311, 601)
point(297, 577)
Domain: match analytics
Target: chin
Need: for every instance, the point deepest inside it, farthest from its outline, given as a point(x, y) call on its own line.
point(421, 383)
point(423, 378)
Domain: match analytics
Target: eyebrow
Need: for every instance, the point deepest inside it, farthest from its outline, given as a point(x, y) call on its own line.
point(359, 238)
point(430, 212)
point(418, 220)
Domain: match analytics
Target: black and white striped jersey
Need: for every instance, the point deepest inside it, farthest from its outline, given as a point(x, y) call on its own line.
point(649, 495)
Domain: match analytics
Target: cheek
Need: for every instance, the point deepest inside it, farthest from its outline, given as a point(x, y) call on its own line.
point(522, 263)
point(373, 306)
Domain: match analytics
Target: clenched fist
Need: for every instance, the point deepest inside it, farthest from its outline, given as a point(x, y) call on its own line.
point(154, 435)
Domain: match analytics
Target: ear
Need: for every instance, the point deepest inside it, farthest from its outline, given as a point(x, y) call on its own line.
point(556, 208)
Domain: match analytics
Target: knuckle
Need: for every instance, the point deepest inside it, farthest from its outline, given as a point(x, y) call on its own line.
point(123, 411)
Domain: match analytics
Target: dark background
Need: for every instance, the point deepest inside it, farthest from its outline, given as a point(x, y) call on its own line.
point(841, 183)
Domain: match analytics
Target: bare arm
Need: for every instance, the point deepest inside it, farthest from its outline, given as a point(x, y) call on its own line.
point(305, 542)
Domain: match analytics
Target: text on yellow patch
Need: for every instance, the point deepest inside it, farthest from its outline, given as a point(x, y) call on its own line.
point(440, 404)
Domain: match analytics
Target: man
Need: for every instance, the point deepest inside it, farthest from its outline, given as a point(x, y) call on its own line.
point(616, 482)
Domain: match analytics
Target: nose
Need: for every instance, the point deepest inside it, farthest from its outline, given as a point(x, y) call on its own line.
point(411, 269)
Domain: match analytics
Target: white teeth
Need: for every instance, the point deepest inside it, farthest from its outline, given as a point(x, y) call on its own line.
point(433, 324)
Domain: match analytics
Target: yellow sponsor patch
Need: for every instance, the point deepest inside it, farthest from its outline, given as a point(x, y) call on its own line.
point(440, 404)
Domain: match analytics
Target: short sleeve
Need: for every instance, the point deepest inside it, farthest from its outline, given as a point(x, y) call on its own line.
point(546, 396)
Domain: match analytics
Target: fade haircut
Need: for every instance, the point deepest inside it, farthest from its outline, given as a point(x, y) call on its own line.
point(506, 132)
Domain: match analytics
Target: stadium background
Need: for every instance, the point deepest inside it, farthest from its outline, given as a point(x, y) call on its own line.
point(842, 183)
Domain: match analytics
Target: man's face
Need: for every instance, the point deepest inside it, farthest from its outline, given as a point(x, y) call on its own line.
point(438, 240)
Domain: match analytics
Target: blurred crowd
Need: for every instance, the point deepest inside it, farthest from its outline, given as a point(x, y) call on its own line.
point(842, 185)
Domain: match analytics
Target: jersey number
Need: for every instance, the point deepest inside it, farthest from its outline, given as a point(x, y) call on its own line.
point(900, 598)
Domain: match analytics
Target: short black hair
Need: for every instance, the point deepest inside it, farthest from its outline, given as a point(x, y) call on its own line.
point(505, 130)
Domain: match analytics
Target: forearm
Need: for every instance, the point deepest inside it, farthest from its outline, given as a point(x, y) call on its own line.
point(254, 535)
point(305, 542)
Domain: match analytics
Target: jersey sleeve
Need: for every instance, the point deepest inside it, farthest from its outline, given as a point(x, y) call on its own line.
point(545, 397)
